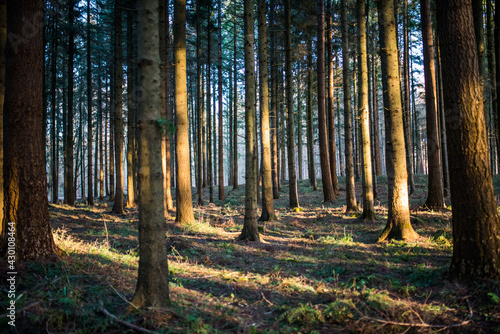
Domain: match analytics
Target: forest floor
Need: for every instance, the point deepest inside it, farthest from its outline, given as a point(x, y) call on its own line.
point(317, 271)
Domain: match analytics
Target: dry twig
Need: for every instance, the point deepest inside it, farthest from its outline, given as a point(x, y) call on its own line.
point(126, 324)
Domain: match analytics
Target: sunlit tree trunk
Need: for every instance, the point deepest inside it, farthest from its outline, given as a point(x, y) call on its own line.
point(130, 112)
point(267, 182)
point(184, 200)
point(299, 123)
point(222, 196)
point(25, 175)
point(101, 140)
point(210, 129)
point(118, 109)
point(363, 108)
point(349, 159)
point(398, 218)
point(250, 231)
point(435, 197)
point(476, 227)
point(90, 179)
point(274, 103)
point(152, 281)
point(199, 103)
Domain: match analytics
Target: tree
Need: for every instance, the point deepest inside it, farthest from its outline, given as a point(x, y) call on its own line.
point(326, 176)
point(267, 182)
point(25, 176)
point(398, 218)
point(476, 226)
point(435, 195)
point(184, 200)
point(363, 107)
point(349, 159)
point(309, 121)
point(130, 111)
point(222, 196)
point(90, 179)
point(292, 172)
point(250, 231)
point(69, 190)
point(152, 281)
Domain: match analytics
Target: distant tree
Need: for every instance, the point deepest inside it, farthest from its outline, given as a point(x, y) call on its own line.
point(398, 218)
point(25, 175)
point(363, 108)
point(184, 200)
point(435, 195)
point(152, 282)
point(476, 226)
point(250, 231)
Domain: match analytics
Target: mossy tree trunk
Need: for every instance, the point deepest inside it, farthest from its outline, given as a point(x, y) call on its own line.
point(476, 227)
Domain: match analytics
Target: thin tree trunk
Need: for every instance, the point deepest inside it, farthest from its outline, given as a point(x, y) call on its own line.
point(54, 130)
point(199, 103)
point(90, 179)
point(309, 122)
point(130, 112)
point(368, 205)
point(235, 106)
point(330, 110)
point(274, 104)
point(349, 162)
point(69, 191)
point(222, 196)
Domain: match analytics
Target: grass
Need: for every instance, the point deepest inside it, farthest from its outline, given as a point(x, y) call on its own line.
point(317, 271)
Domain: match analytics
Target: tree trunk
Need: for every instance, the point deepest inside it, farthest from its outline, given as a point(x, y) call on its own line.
point(222, 196)
point(309, 122)
point(435, 197)
point(26, 197)
point(235, 106)
point(398, 218)
point(330, 110)
point(299, 123)
point(169, 203)
point(152, 282)
point(130, 112)
point(250, 231)
point(267, 182)
point(90, 179)
point(274, 104)
point(476, 227)
point(69, 190)
point(209, 111)
point(292, 173)
point(368, 205)
point(101, 140)
point(118, 110)
point(349, 160)
point(199, 103)
point(492, 75)
point(54, 131)
point(184, 200)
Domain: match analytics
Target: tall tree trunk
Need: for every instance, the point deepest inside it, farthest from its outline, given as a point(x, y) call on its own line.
point(299, 122)
point(349, 159)
point(368, 205)
point(25, 176)
point(183, 189)
point(101, 140)
point(90, 179)
point(398, 218)
point(476, 242)
point(309, 122)
point(406, 100)
point(152, 282)
point(492, 75)
point(330, 110)
point(169, 203)
point(235, 106)
point(222, 196)
point(435, 197)
point(292, 173)
point(130, 112)
point(54, 131)
point(497, 71)
point(69, 190)
point(118, 112)
point(209, 110)
point(250, 231)
point(376, 135)
point(267, 182)
point(199, 103)
point(274, 103)
point(328, 191)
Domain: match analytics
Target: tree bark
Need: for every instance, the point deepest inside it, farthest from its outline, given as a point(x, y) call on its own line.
point(398, 218)
point(363, 108)
point(250, 231)
point(184, 200)
point(69, 190)
point(349, 159)
point(27, 214)
point(90, 179)
point(152, 282)
point(130, 112)
point(476, 227)
point(274, 103)
point(222, 196)
point(435, 197)
point(309, 122)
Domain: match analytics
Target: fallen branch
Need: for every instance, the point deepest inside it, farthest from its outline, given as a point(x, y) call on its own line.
point(21, 310)
point(409, 324)
point(126, 324)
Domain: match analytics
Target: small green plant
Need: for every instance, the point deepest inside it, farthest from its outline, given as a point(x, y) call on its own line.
point(304, 314)
point(494, 298)
point(339, 311)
